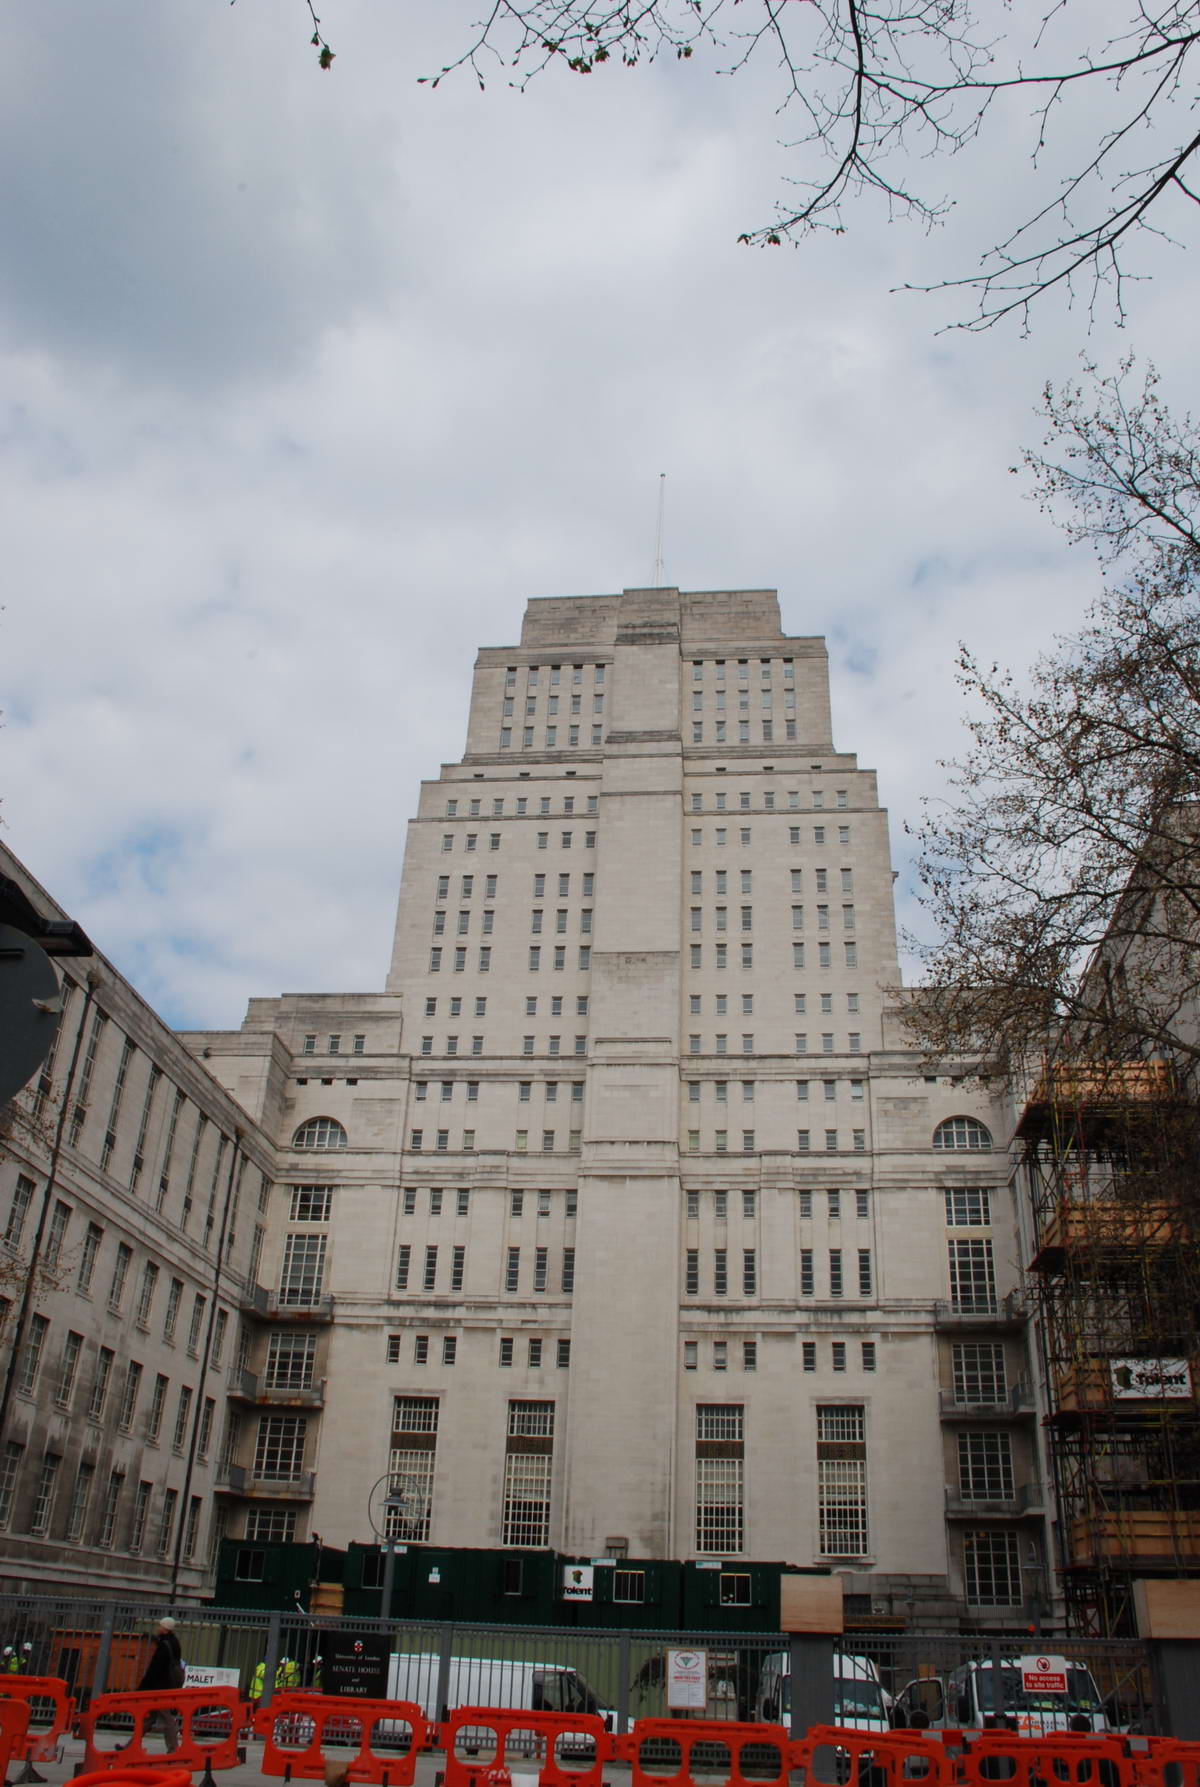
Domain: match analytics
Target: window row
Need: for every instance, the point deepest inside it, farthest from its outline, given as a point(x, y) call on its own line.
point(749, 1203)
point(827, 1090)
point(839, 1265)
point(333, 1044)
point(743, 919)
point(471, 841)
point(835, 1141)
point(551, 741)
point(538, 1351)
point(186, 1133)
point(521, 804)
point(540, 1201)
point(824, 958)
point(458, 961)
point(741, 668)
point(722, 1352)
point(555, 674)
point(553, 703)
point(744, 1044)
point(722, 733)
point(32, 1500)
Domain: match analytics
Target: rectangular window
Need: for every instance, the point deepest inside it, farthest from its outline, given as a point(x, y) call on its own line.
point(512, 1270)
point(842, 1480)
point(279, 1448)
point(43, 1499)
point(568, 1271)
point(105, 1360)
point(985, 1472)
point(290, 1362)
point(429, 1280)
point(720, 1484)
point(980, 1376)
point(720, 1272)
point(157, 1405)
point(303, 1270)
point(35, 1342)
point(835, 1271)
point(838, 1355)
point(116, 1289)
point(129, 1395)
point(991, 1568)
point(972, 1277)
point(528, 1468)
point(458, 1266)
point(968, 1207)
point(864, 1272)
point(749, 1272)
point(403, 1263)
point(692, 1272)
point(807, 1280)
point(541, 1258)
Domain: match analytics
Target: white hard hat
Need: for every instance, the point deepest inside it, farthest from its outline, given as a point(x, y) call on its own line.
point(8, 1650)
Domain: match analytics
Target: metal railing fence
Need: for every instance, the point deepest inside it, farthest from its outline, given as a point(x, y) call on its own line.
point(103, 1645)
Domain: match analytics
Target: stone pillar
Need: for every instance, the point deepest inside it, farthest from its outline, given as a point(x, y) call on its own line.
point(624, 1368)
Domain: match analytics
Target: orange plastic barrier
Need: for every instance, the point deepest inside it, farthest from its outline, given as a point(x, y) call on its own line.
point(1074, 1759)
point(14, 1723)
point(832, 1755)
point(642, 1749)
point(296, 1728)
point(495, 1726)
point(197, 1749)
point(135, 1777)
point(1150, 1758)
point(41, 1741)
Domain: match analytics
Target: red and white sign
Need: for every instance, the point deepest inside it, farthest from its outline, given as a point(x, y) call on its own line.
point(1043, 1675)
point(687, 1680)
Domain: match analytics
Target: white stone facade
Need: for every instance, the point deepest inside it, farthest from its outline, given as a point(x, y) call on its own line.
point(634, 1133)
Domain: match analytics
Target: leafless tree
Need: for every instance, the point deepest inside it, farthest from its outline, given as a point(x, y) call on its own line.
point(1063, 872)
point(881, 91)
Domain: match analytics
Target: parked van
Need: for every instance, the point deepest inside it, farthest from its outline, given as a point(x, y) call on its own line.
point(859, 1702)
point(493, 1681)
point(1030, 1701)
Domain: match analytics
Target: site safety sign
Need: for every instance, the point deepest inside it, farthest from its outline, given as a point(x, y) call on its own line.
point(1043, 1675)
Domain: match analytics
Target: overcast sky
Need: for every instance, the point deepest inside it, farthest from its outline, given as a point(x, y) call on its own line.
point(309, 381)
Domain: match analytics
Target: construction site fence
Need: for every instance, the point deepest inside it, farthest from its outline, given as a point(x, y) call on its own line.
point(307, 1736)
point(103, 1646)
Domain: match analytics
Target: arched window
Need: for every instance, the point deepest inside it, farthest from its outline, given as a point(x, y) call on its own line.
point(320, 1132)
point(962, 1132)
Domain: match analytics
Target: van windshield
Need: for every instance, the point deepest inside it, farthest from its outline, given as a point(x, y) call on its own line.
point(853, 1698)
point(1081, 1696)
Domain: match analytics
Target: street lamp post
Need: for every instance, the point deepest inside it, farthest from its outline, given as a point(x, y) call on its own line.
point(395, 1501)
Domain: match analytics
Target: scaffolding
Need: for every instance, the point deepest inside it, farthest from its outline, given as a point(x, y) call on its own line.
point(1111, 1151)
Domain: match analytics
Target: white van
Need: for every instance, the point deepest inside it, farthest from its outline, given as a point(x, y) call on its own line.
point(1030, 1701)
point(493, 1681)
point(859, 1702)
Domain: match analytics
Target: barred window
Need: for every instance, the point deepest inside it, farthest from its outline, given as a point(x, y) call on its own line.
point(968, 1207)
point(962, 1132)
point(531, 1419)
point(527, 1477)
point(991, 1568)
point(719, 1505)
point(719, 1421)
point(410, 1493)
point(415, 1414)
point(842, 1480)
